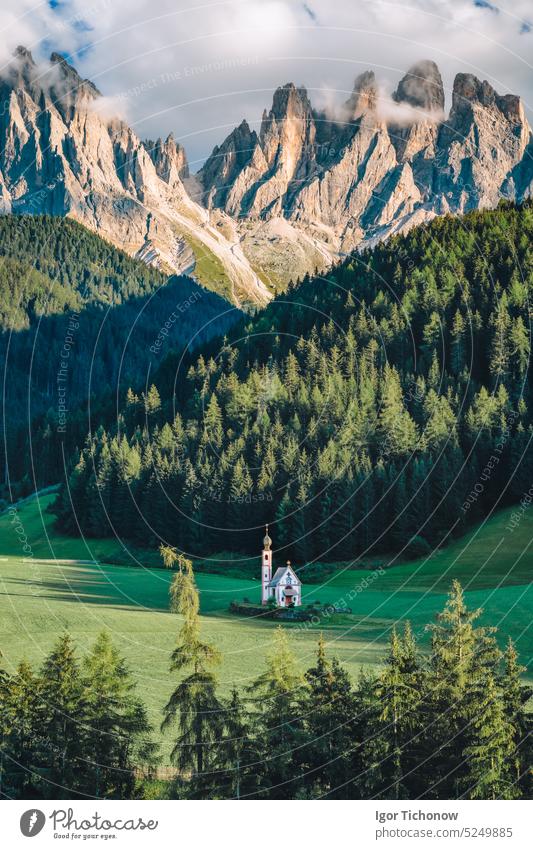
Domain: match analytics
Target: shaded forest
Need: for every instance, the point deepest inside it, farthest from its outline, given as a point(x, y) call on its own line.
point(79, 319)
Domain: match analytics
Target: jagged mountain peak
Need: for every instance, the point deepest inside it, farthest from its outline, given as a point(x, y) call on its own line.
point(364, 96)
point(62, 153)
point(243, 134)
point(276, 204)
point(58, 77)
point(422, 87)
point(169, 159)
point(287, 130)
point(227, 162)
point(469, 90)
point(24, 54)
point(22, 72)
point(69, 76)
point(289, 97)
point(244, 128)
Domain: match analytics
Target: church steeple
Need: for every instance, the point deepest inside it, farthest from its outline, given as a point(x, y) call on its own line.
point(266, 567)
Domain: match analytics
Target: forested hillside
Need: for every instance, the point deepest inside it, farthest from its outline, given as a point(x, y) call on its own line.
point(381, 408)
point(67, 296)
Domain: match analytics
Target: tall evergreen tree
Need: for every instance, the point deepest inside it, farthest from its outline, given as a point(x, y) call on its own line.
point(277, 694)
point(516, 698)
point(234, 769)
point(22, 749)
point(331, 724)
point(63, 731)
point(489, 754)
point(463, 657)
point(398, 691)
point(116, 724)
point(194, 703)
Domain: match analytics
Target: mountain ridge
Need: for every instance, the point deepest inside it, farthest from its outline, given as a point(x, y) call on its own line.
point(61, 154)
point(382, 165)
point(268, 206)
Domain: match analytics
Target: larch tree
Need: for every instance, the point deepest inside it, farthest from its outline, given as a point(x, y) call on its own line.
point(194, 704)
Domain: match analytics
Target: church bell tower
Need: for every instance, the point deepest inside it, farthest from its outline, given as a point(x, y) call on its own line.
point(266, 567)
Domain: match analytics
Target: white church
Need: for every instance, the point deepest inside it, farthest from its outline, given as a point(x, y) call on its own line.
point(285, 587)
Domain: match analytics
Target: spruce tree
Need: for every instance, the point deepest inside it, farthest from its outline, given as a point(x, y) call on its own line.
point(488, 755)
point(463, 657)
point(21, 721)
point(234, 769)
point(516, 698)
point(398, 693)
point(62, 721)
point(117, 729)
point(330, 724)
point(277, 694)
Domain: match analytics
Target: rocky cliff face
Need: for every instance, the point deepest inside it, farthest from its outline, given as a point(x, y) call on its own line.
point(169, 158)
point(60, 154)
point(268, 206)
point(328, 187)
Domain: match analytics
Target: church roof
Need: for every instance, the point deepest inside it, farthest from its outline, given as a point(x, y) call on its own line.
point(280, 573)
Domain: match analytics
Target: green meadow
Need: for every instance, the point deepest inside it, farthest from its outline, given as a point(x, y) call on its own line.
point(40, 596)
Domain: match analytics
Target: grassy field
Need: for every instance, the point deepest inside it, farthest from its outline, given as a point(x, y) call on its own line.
point(39, 599)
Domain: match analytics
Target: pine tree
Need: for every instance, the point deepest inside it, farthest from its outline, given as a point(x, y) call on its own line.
point(520, 346)
point(213, 423)
point(458, 344)
point(152, 401)
point(397, 429)
point(240, 495)
point(500, 350)
point(398, 693)
point(233, 774)
point(370, 756)
point(21, 721)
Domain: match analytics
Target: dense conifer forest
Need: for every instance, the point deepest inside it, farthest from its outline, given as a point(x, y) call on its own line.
point(80, 316)
point(382, 408)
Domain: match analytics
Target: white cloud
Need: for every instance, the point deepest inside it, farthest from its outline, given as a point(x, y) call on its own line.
point(197, 67)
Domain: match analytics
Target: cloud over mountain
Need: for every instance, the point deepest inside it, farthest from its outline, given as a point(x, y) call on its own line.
point(179, 66)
